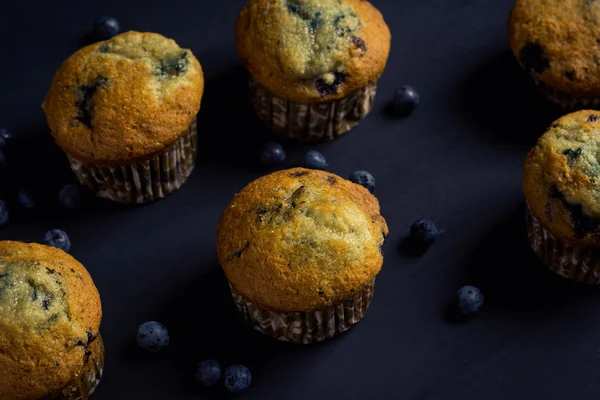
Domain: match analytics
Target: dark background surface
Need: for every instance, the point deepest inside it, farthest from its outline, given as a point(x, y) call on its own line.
point(456, 160)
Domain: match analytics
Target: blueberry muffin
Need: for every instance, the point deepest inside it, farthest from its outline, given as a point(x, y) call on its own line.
point(301, 249)
point(314, 64)
point(50, 314)
point(124, 111)
point(561, 184)
point(558, 43)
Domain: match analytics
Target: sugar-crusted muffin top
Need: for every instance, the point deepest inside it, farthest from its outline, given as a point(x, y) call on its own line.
point(125, 98)
point(558, 41)
point(301, 240)
point(312, 50)
point(561, 178)
point(50, 313)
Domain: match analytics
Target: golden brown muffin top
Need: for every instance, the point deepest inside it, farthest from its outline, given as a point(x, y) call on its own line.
point(123, 99)
point(301, 240)
point(50, 312)
point(558, 41)
point(561, 178)
point(311, 51)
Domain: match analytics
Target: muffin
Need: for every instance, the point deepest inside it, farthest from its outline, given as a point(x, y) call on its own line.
point(558, 43)
point(561, 185)
point(50, 314)
point(314, 64)
point(301, 249)
point(124, 111)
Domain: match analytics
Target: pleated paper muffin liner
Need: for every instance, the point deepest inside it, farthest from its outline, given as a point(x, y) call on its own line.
point(306, 327)
point(85, 382)
point(311, 122)
point(578, 263)
point(144, 181)
point(566, 100)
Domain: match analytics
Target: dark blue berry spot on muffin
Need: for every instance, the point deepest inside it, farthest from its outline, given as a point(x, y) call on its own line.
point(533, 58)
point(241, 251)
point(85, 109)
point(172, 67)
point(570, 75)
point(325, 89)
point(593, 118)
point(582, 224)
point(34, 293)
point(298, 174)
point(573, 154)
point(316, 21)
point(359, 43)
point(293, 7)
point(331, 180)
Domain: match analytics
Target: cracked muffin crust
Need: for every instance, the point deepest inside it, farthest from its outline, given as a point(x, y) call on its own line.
point(558, 42)
point(50, 316)
point(124, 99)
point(561, 178)
point(301, 240)
point(310, 51)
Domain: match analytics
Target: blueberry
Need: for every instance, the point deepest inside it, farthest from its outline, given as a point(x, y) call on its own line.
point(106, 27)
point(314, 160)
point(209, 372)
point(424, 231)
point(3, 213)
point(272, 153)
point(152, 336)
point(469, 300)
point(25, 199)
point(405, 100)
point(58, 239)
point(364, 178)
point(70, 196)
point(237, 378)
point(6, 137)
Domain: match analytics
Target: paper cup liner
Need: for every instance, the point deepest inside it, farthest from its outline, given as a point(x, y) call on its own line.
point(306, 327)
point(566, 100)
point(87, 379)
point(311, 122)
point(578, 263)
point(144, 181)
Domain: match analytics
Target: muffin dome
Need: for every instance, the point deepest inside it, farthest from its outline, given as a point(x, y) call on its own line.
point(301, 240)
point(313, 50)
point(558, 41)
point(560, 178)
point(50, 314)
point(123, 99)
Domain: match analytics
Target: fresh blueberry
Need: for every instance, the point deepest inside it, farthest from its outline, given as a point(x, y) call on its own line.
point(237, 378)
point(70, 196)
point(152, 336)
point(469, 300)
point(405, 100)
point(6, 137)
point(3, 213)
point(25, 199)
point(364, 178)
point(272, 153)
point(106, 27)
point(58, 239)
point(209, 372)
point(314, 160)
point(424, 231)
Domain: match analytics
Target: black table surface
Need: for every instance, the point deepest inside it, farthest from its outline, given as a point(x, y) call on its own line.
point(456, 160)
